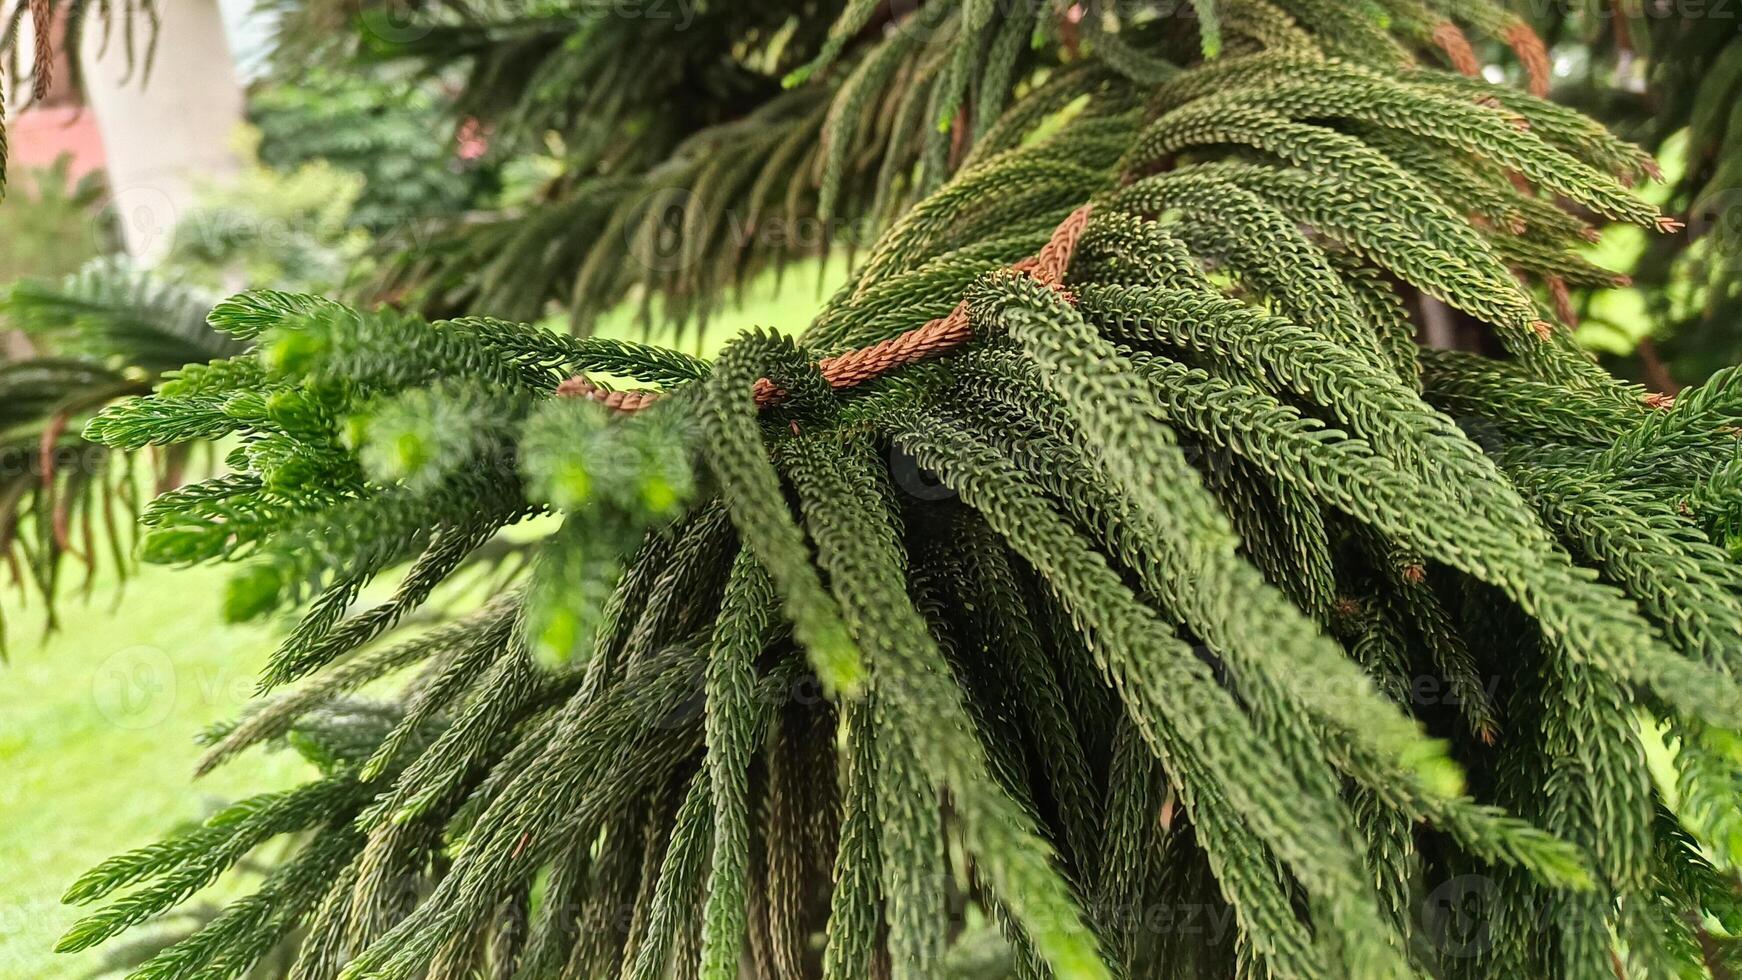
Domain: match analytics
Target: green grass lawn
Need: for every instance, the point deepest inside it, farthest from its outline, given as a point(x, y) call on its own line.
point(96, 743)
point(97, 721)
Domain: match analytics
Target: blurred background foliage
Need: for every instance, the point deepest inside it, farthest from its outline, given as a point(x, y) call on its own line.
point(379, 127)
point(1667, 76)
point(53, 223)
point(286, 227)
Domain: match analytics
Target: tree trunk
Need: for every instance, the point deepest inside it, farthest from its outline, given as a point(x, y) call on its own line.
point(168, 126)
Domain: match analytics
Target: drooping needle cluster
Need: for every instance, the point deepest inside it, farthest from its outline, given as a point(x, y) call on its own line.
point(1191, 592)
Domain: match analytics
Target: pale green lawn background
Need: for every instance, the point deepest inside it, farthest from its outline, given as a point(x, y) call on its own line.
point(96, 748)
point(97, 721)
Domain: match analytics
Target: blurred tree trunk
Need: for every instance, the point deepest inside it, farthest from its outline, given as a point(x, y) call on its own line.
point(15, 346)
point(168, 126)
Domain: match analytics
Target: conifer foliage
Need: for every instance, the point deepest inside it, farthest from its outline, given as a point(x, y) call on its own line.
point(106, 332)
point(1668, 77)
point(1181, 589)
